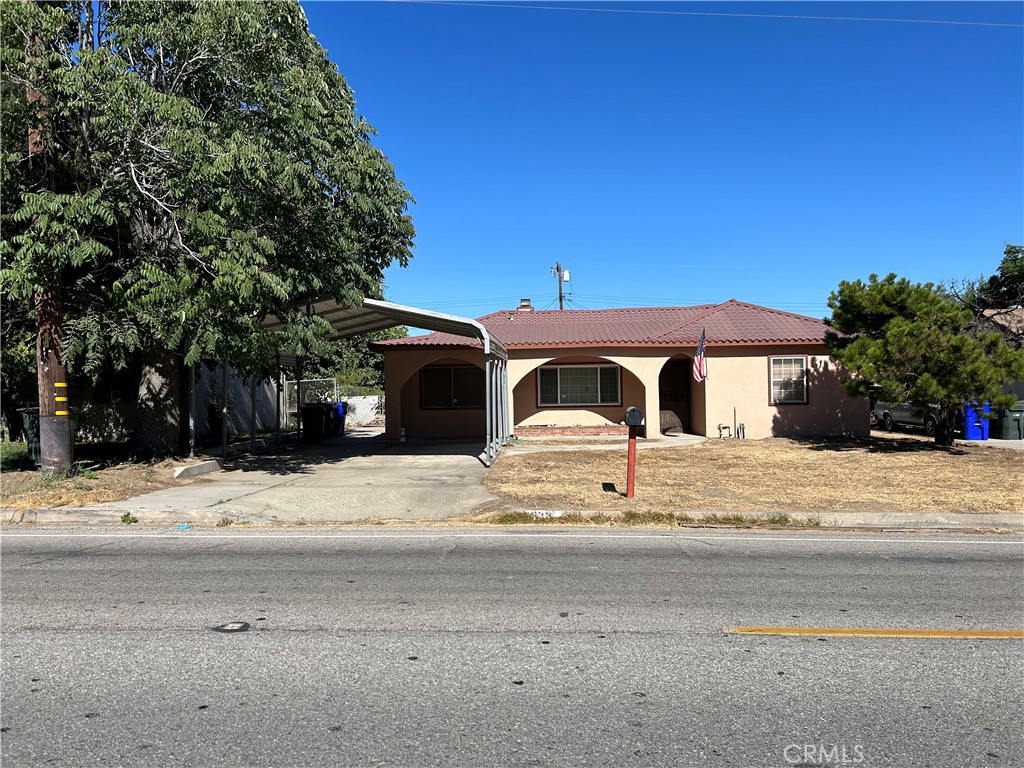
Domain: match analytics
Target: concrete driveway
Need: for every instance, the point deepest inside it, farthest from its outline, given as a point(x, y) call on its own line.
point(346, 479)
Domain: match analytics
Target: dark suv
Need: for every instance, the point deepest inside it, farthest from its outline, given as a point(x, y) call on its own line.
point(892, 415)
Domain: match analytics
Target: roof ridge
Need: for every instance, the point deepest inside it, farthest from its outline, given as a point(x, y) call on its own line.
point(701, 316)
point(797, 315)
point(593, 311)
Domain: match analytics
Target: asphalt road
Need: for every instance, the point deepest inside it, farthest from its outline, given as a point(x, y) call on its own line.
point(452, 648)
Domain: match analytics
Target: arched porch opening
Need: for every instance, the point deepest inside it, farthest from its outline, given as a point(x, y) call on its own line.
point(575, 394)
point(681, 399)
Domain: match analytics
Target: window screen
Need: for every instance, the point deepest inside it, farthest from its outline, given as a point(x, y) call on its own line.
point(578, 385)
point(789, 380)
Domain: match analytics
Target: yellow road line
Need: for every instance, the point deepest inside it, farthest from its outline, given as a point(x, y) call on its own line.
point(961, 634)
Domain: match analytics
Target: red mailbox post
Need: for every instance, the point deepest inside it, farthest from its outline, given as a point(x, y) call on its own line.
point(633, 420)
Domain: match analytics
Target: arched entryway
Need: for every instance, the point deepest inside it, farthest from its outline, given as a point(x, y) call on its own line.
point(676, 397)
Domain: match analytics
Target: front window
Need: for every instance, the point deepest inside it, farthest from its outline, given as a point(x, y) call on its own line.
point(578, 385)
point(789, 379)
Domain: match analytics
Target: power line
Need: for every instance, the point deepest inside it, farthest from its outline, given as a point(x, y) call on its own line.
point(576, 304)
point(710, 13)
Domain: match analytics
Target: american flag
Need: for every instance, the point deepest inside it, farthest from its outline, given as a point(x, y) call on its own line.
point(700, 365)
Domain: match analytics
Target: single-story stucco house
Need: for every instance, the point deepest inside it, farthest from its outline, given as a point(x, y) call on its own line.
point(575, 371)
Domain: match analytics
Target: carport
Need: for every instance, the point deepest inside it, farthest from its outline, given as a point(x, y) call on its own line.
point(377, 315)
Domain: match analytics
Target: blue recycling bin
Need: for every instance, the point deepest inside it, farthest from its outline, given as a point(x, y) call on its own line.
point(975, 427)
point(339, 421)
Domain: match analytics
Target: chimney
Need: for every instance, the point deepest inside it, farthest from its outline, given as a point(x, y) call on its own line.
point(524, 306)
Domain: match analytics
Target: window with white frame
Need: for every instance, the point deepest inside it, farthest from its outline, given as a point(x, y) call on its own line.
point(578, 385)
point(789, 379)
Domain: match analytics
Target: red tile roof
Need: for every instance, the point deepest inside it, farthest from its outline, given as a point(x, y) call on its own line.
point(731, 323)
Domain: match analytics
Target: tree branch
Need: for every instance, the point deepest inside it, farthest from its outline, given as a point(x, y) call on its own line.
point(172, 219)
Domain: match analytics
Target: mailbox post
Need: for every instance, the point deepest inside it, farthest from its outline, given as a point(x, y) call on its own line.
point(634, 419)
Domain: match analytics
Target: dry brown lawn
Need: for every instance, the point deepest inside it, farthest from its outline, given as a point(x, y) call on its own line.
point(882, 473)
point(29, 489)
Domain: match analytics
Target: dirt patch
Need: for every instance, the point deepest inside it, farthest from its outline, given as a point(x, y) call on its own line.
point(32, 490)
point(882, 473)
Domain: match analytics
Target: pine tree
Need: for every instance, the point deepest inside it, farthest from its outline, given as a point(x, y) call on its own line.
point(910, 342)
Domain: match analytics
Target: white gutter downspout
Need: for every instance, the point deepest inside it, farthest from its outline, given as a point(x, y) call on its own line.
point(490, 399)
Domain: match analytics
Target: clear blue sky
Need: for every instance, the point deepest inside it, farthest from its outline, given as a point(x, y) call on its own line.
point(682, 159)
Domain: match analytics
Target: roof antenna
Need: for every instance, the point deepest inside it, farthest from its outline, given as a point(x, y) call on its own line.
point(562, 277)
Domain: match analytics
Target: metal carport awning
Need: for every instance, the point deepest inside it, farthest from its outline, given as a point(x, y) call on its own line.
point(377, 315)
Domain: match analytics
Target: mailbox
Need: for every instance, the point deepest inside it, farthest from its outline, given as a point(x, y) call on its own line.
point(633, 417)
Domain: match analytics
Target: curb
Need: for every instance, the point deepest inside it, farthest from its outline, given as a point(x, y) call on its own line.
point(195, 470)
point(887, 521)
point(891, 521)
point(99, 516)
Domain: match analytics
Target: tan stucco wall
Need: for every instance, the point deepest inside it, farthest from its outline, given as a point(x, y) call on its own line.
point(740, 378)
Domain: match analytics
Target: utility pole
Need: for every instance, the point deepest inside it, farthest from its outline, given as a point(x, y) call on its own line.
point(55, 436)
point(557, 272)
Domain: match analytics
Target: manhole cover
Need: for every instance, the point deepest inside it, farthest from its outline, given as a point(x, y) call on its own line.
point(232, 626)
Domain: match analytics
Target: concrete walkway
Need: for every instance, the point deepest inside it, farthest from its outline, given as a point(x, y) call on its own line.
point(617, 443)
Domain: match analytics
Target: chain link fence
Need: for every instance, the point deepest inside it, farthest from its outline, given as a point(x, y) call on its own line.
point(299, 393)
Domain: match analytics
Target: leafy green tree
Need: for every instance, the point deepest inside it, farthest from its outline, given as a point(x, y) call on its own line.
point(910, 342)
point(198, 166)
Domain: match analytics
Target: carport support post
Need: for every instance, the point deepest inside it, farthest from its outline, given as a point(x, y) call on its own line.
point(298, 398)
point(500, 436)
point(191, 411)
point(224, 409)
point(631, 463)
point(489, 407)
point(277, 407)
point(503, 388)
point(252, 413)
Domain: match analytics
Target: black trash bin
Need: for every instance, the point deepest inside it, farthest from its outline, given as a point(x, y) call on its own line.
point(329, 422)
point(313, 423)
